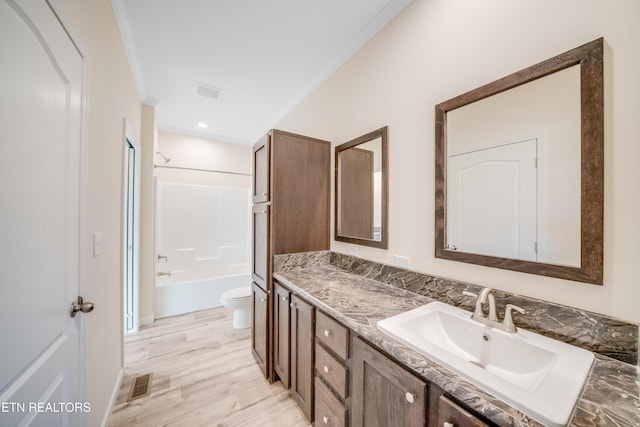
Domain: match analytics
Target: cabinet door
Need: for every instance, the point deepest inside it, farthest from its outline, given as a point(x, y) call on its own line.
point(383, 393)
point(301, 198)
point(261, 253)
point(259, 330)
point(302, 362)
point(281, 335)
point(261, 170)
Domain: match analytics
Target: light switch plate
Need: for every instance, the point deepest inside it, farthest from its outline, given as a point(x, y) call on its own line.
point(97, 243)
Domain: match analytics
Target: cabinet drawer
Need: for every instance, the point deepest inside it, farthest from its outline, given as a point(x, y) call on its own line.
point(332, 334)
point(329, 410)
point(450, 414)
point(332, 371)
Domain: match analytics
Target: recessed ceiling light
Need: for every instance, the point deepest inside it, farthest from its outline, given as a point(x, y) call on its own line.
point(203, 125)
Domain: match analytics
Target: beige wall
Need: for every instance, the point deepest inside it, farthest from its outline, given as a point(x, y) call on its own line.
point(112, 98)
point(193, 152)
point(147, 205)
point(437, 49)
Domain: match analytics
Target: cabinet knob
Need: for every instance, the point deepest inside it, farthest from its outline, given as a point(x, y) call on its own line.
point(327, 332)
point(326, 369)
point(325, 420)
point(448, 424)
point(284, 298)
point(292, 305)
point(262, 299)
point(410, 397)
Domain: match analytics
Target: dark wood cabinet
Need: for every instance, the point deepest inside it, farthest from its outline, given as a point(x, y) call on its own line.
point(383, 393)
point(332, 372)
point(259, 336)
point(302, 354)
point(329, 410)
point(444, 412)
point(291, 196)
point(281, 333)
point(261, 170)
point(300, 193)
point(261, 271)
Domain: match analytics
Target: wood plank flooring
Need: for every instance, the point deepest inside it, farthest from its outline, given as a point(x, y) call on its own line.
point(203, 375)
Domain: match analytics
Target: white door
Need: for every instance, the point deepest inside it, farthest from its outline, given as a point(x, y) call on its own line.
point(492, 201)
point(41, 113)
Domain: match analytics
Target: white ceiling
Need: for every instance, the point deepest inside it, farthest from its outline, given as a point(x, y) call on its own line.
point(265, 56)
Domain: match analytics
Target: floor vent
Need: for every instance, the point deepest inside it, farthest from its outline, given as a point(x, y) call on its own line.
point(140, 387)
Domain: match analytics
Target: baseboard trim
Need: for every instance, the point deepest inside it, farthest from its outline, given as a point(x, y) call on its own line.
point(147, 320)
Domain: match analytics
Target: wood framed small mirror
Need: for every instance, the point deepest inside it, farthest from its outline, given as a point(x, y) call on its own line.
point(361, 190)
point(519, 167)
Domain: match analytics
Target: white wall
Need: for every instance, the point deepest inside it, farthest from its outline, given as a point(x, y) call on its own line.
point(112, 97)
point(437, 49)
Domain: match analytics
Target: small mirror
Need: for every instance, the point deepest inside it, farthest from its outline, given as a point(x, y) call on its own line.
point(519, 170)
point(361, 190)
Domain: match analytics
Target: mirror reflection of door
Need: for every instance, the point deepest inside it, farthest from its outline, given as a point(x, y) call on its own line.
point(357, 193)
point(492, 201)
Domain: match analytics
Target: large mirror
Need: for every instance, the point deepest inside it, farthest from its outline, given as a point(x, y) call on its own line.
point(519, 170)
point(361, 190)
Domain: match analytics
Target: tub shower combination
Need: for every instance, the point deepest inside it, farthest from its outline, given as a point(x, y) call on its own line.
point(204, 247)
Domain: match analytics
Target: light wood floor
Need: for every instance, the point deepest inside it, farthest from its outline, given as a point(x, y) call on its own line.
point(203, 375)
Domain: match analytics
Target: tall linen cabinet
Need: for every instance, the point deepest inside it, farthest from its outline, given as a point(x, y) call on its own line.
point(291, 213)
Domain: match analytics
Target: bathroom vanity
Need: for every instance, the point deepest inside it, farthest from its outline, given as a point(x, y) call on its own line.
point(358, 374)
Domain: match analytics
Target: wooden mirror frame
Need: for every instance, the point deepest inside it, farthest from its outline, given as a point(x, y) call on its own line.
point(381, 133)
point(590, 58)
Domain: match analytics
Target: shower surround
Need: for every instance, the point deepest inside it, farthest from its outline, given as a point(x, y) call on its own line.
point(203, 231)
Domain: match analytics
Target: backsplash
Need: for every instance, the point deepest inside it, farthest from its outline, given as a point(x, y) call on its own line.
point(595, 332)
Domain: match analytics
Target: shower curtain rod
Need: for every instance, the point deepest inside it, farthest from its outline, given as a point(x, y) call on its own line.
point(201, 170)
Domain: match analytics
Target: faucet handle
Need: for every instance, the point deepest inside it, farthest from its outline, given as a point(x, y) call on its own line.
point(509, 326)
point(470, 294)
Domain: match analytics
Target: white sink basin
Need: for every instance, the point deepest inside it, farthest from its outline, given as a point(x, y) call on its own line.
point(539, 376)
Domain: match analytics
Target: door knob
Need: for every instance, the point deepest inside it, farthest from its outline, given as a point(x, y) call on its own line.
point(80, 305)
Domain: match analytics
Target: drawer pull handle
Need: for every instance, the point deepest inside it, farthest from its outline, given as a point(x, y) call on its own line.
point(448, 424)
point(325, 420)
point(326, 369)
point(410, 397)
point(327, 332)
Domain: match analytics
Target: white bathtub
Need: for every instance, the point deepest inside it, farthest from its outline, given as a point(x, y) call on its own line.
point(173, 297)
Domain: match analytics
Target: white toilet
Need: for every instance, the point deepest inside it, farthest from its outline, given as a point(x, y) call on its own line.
point(239, 300)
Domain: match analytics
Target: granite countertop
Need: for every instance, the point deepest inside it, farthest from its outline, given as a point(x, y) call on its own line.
point(609, 398)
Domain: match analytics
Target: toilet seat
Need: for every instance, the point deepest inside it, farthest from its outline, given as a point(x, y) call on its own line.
point(237, 294)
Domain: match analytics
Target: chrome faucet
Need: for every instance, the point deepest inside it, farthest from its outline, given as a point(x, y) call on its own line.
point(486, 296)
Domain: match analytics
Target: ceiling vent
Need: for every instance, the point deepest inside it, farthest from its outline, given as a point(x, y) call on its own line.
point(208, 91)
